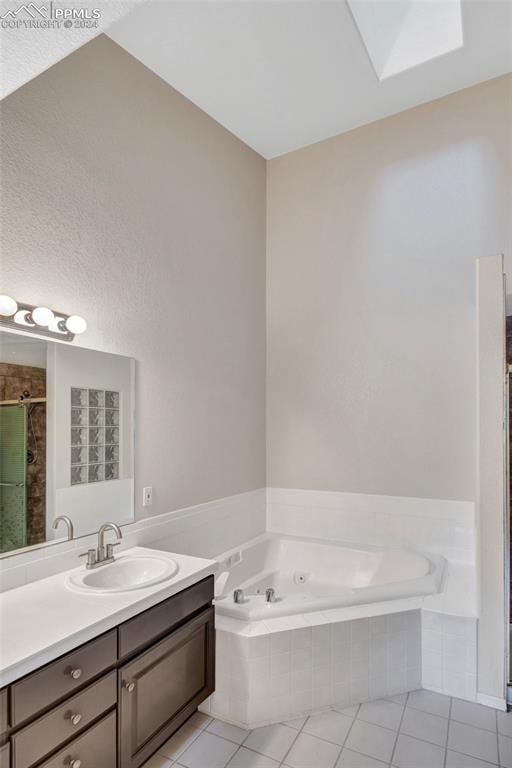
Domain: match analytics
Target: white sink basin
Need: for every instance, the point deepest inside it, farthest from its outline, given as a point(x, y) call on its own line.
point(125, 574)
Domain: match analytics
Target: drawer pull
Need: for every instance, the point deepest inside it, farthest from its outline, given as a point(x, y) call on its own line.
point(76, 674)
point(75, 718)
point(130, 686)
point(75, 763)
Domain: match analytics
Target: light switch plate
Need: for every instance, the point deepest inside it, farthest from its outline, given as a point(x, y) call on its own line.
point(147, 496)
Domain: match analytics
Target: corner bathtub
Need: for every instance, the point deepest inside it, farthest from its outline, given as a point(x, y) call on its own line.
point(317, 575)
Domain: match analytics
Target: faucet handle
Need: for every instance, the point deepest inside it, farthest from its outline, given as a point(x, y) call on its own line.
point(110, 548)
point(91, 557)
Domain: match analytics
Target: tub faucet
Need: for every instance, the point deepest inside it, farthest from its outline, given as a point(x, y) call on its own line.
point(270, 595)
point(238, 595)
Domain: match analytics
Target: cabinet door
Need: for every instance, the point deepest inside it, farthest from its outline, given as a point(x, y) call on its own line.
point(4, 719)
point(163, 686)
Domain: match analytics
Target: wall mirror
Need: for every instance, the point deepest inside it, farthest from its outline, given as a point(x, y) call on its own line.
point(66, 440)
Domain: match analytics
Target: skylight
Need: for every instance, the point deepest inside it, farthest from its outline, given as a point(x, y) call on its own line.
point(400, 34)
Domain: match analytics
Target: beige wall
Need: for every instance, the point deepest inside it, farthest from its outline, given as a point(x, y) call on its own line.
point(372, 239)
point(125, 203)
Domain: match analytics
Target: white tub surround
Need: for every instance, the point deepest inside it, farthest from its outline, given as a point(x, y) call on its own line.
point(318, 575)
point(200, 531)
point(268, 677)
point(42, 620)
point(449, 655)
point(363, 606)
point(439, 526)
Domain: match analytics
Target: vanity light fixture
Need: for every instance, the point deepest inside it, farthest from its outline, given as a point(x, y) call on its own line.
point(40, 320)
point(8, 306)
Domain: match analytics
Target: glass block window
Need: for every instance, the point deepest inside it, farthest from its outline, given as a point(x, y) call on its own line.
point(94, 435)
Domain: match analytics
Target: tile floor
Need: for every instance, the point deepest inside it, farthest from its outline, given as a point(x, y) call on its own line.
point(415, 730)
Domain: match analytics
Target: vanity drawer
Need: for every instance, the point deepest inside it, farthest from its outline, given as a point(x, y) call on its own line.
point(5, 752)
point(4, 719)
point(96, 748)
point(61, 678)
point(157, 621)
point(32, 743)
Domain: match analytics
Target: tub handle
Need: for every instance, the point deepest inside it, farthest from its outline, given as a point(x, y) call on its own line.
point(270, 595)
point(238, 595)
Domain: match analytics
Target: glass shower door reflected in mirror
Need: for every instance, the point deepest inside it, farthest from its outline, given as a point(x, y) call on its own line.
point(13, 477)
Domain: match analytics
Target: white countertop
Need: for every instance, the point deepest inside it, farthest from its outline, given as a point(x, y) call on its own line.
point(42, 620)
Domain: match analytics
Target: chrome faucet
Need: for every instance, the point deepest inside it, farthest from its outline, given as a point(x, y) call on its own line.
point(270, 595)
point(67, 522)
point(238, 596)
point(103, 554)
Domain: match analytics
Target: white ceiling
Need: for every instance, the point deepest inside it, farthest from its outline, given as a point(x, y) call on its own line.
point(279, 74)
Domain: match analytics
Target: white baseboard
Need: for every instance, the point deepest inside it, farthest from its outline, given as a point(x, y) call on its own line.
point(491, 701)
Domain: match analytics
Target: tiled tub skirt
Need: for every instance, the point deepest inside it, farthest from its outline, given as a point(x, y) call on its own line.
point(276, 676)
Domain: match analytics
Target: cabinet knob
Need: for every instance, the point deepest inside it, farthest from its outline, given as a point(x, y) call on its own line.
point(75, 718)
point(130, 686)
point(76, 674)
point(75, 763)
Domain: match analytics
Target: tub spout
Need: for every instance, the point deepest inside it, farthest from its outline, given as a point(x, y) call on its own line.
point(270, 595)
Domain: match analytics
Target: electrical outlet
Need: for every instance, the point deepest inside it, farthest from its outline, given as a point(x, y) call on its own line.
point(147, 496)
point(233, 559)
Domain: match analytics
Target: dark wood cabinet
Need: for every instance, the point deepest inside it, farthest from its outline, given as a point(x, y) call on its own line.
point(162, 687)
point(5, 752)
point(95, 748)
point(63, 723)
point(112, 702)
point(61, 678)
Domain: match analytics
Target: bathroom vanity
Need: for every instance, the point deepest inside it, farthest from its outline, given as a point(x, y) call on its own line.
point(113, 700)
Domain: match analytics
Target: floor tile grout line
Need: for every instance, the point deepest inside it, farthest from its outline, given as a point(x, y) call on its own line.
point(199, 732)
point(334, 743)
point(448, 732)
point(295, 739)
point(348, 734)
point(250, 749)
point(472, 725)
point(204, 729)
point(398, 731)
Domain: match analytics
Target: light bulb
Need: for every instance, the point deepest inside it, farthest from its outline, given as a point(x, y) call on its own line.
point(7, 306)
point(42, 316)
point(76, 324)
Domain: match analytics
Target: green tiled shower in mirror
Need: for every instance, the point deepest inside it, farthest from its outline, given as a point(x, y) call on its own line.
point(13, 477)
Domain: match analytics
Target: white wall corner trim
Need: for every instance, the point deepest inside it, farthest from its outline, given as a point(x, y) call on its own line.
point(491, 492)
point(491, 701)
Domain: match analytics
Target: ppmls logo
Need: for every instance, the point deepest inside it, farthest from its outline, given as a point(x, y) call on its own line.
point(30, 15)
point(31, 10)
